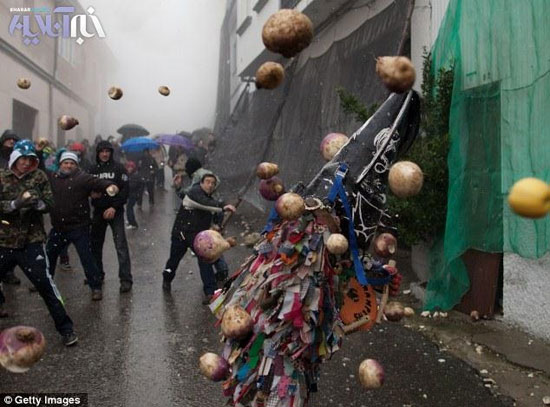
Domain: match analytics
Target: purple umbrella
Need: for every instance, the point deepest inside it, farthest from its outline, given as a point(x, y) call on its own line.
point(175, 140)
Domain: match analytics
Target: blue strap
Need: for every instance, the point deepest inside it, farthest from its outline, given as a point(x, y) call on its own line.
point(338, 190)
point(271, 220)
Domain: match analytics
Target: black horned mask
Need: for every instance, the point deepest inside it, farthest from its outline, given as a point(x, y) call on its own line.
point(366, 160)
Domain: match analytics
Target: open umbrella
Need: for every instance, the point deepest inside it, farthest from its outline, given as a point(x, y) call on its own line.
point(132, 130)
point(137, 144)
point(175, 140)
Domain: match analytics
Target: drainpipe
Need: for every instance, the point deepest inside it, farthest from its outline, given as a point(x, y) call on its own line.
point(51, 125)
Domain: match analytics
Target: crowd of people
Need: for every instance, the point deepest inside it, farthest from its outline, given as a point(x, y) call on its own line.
point(86, 189)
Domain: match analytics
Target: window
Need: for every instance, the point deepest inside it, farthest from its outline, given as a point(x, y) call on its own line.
point(289, 3)
point(23, 119)
point(259, 5)
point(233, 56)
point(243, 15)
point(66, 49)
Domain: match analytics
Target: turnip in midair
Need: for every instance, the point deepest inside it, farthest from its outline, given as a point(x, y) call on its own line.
point(287, 32)
point(385, 245)
point(405, 179)
point(20, 348)
point(164, 90)
point(337, 243)
point(266, 170)
point(115, 93)
point(371, 374)
point(272, 188)
point(67, 122)
point(331, 144)
point(270, 75)
point(397, 73)
point(209, 245)
point(236, 322)
point(530, 198)
point(290, 206)
point(24, 83)
point(213, 366)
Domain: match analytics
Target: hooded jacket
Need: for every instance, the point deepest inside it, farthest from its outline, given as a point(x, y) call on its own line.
point(188, 221)
point(115, 173)
point(5, 152)
point(26, 225)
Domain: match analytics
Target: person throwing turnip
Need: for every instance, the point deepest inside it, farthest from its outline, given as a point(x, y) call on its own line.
point(196, 214)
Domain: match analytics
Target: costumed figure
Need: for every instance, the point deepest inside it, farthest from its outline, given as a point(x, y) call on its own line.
point(281, 310)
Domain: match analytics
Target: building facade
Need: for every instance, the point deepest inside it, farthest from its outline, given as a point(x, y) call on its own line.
point(66, 77)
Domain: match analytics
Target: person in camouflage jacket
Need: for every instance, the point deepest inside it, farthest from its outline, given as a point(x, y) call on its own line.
point(25, 195)
point(7, 141)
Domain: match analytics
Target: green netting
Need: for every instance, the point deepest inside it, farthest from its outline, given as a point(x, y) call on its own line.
point(500, 132)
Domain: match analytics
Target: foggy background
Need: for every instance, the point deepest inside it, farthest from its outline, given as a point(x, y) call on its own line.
point(162, 42)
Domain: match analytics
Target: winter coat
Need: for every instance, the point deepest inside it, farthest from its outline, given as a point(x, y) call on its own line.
point(72, 209)
point(159, 155)
point(5, 152)
point(115, 173)
point(134, 185)
point(147, 168)
point(189, 222)
point(26, 225)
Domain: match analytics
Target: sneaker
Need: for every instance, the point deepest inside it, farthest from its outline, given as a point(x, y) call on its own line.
point(11, 279)
point(97, 295)
point(70, 339)
point(207, 299)
point(132, 227)
point(125, 286)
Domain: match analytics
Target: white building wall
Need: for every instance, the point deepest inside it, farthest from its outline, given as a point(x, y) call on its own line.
point(526, 299)
point(425, 22)
point(249, 43)
point(36, 96)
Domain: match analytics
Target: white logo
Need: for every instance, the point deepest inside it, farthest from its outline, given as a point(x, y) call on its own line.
point(56, 24)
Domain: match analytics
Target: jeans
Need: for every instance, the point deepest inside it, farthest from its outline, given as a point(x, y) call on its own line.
point(80, 237)
point(178, 248)
point(32, 259)
point(99, 227)
point(130, 215)
point(222, 269)
point(150, 185)
point(160, 177)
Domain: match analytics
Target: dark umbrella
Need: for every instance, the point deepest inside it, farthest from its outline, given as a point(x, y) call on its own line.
point(175, 140)
point(132, 130)
point(137, 144)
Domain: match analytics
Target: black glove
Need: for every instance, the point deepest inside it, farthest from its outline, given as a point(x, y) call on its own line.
point(20, 202)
